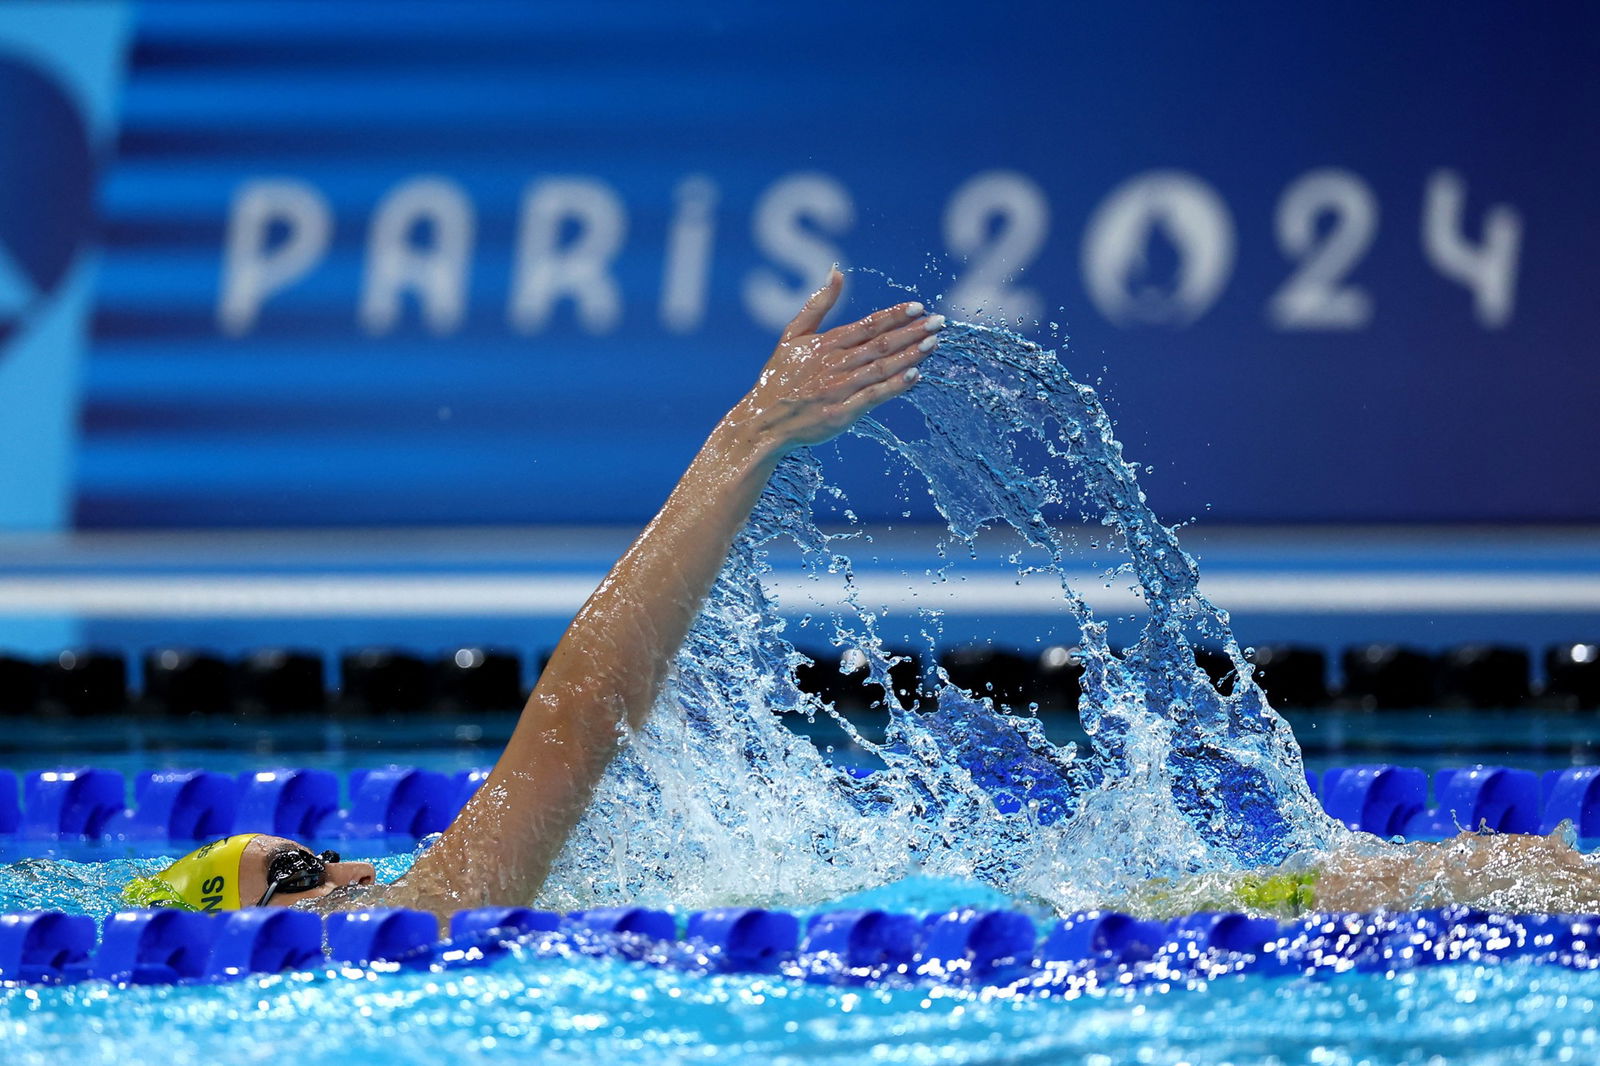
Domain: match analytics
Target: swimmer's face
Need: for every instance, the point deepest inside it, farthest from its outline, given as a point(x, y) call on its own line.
point(257, 859)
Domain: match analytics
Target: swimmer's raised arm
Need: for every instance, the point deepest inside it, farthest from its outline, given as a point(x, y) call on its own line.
point(609, 667)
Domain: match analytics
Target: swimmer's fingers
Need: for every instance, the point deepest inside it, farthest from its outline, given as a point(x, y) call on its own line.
point(890, 365)
point(866, 329)
point(916, 332)
point(873, 395)
point(809, 320)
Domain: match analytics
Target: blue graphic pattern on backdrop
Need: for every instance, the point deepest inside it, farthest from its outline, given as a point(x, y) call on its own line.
point(60, 64)
point(46, 184)
point(484, 262)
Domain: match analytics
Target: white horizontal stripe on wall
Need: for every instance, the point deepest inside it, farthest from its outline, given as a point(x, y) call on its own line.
point(521, 594)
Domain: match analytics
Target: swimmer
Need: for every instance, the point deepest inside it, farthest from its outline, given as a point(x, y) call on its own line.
point(1513, 873)
point(247, 870)
point(1510, 872)
point(610, 665)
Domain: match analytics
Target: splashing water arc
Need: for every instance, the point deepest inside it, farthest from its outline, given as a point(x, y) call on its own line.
point(716, 801)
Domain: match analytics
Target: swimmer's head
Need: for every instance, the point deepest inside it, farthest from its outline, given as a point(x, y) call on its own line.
point(246, 870)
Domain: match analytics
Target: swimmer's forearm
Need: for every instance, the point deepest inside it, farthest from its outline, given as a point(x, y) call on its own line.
point(608, 669)
point(605, 673)
point(618, 649)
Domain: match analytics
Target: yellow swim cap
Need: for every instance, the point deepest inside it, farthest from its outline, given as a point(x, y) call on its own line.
point(206, 879)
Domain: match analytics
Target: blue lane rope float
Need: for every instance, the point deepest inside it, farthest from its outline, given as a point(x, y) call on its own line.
point(1571, 794)
point(979, 948)
point(193, 806)
point(987, 948)
point(360, 938)
point(288, 803)
point(10, 804)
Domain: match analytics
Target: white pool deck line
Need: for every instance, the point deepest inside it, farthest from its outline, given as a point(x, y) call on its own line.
point(1429, 585)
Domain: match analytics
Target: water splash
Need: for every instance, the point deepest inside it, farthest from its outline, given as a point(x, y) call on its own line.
point(716, 801)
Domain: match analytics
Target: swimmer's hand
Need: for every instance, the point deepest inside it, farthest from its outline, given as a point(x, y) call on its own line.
point(604, 676)
point(817, 384)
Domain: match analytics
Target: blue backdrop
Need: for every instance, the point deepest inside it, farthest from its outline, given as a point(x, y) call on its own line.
point(503, 262)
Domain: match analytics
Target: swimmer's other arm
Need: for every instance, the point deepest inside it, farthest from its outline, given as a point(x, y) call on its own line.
point(610, 665)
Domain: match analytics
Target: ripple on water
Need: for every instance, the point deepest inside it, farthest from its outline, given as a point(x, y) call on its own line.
point(593, 1010)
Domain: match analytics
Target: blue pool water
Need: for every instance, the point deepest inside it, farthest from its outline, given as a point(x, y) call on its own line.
point(560, 1007)
point(718, 802)
point(595, 1010)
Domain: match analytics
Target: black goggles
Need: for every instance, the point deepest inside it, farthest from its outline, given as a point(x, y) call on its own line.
point(296, 871)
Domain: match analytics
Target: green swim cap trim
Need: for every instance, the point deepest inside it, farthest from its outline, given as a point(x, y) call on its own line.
point(153, 891)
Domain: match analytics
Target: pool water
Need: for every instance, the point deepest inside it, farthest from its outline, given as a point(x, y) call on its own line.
point(716, 802)
point(526, 1006)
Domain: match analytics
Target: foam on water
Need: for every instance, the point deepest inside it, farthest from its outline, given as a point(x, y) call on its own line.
point(716, 801)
